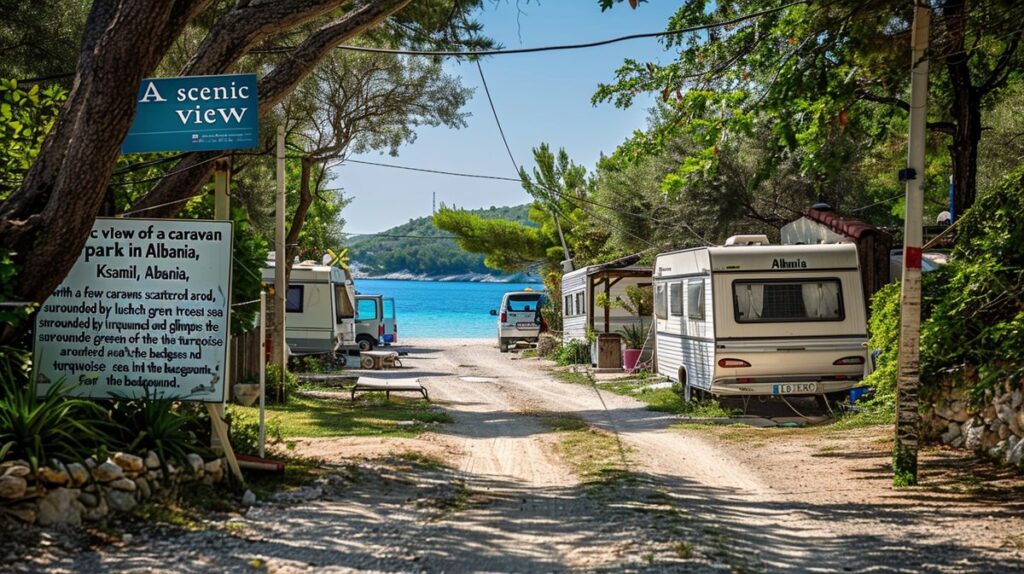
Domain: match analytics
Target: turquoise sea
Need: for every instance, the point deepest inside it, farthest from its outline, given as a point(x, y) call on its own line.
point(443, 309)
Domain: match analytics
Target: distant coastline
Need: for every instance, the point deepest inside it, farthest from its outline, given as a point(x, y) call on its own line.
point(463, 277)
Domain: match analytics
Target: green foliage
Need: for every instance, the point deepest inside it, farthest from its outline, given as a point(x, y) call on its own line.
point(10, 315)
point(244, 429)
point(52, 426)
point(277, 390)
point(154, 423)
point(634, 336)
point(434, 257)
point(904, 466)
point(26, 115)
point(249, 257)
point(573, 352)
point(977, 322)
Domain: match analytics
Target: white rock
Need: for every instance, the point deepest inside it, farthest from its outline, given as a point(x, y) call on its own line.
point(125, 484)
point(1016, 399)
point(120, 500)
point(12, 486)
point(152, 460)
point(973, 434)
point(196, 462)
point(128, 462)
point(18, 471)
point(107, 471)
point(78, 474)
point(60, 506)
point(127, 538)
point(249, 498)
point(213, 466)
point(1015, 454)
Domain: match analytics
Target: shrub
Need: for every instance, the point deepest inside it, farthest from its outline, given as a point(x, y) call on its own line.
point(245, 432)
point(157, 424)
point(53, 426)
point(573, 352)
point(276, 392)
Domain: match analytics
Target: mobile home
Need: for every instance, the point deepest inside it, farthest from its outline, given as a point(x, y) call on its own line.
point(750, 318)
point(581, 288)
point(320, 308)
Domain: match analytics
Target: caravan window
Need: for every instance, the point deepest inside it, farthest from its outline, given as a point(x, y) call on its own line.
point(293, 301)
point(367, 309)
point(342, 304)
point(774, 301)
point(567, 306)
point(695, 299)
point(660, 302)
point(675, 299)
point(579, 303)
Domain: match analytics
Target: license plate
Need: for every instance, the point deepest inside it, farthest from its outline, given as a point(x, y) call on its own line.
point(525, 325)
point(794, 388)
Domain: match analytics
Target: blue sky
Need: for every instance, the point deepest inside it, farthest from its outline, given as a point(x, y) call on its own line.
point(541, 97)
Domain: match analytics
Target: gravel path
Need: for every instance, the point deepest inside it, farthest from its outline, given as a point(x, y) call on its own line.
point(506, 502)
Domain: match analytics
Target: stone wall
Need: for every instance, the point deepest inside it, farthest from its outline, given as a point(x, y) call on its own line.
point(70, 493)
point(995, 428)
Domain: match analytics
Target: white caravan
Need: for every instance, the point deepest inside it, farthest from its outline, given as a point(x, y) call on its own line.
point(320, 308)
point(750, 318)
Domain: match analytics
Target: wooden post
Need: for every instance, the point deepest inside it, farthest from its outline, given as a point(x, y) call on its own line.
point(222, 211)
point(907, 415)
point(263, 370)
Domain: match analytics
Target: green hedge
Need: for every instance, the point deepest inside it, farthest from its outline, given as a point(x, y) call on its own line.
point(972, 309)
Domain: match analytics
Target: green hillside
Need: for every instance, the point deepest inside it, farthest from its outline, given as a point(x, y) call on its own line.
point(419, 248)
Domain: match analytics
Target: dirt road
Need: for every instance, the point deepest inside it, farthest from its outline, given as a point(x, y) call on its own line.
point(505, 500)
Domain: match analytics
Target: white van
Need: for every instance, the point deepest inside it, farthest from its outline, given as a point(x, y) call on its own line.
point(519, 318)
point(320, 308)
point(750, 318)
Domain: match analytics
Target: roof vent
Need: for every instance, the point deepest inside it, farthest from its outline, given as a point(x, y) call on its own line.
point(737, 240)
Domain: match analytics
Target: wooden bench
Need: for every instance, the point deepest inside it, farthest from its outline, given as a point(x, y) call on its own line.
point(389, 386)
point(378, 360)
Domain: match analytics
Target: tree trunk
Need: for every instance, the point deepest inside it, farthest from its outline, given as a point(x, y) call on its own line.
point(965, 108)
point(292, 238)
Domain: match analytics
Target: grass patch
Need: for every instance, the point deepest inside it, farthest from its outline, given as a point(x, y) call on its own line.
point(558, 423)
point(668, 400)
point(595, 455)
point(169, 513)
point(423, 460)
point(529, 354)
point(368, 415)
point(572, 377)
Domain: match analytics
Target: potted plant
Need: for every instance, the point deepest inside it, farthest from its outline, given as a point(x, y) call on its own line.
point(634, 336)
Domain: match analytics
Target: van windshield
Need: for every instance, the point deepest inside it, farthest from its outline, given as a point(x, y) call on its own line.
point(774, 301)
point(522, 302)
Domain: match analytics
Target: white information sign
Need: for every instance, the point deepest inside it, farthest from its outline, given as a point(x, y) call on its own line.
point(144, 310)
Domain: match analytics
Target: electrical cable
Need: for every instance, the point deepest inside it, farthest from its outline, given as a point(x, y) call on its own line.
point(515, 164)
point(437, 171)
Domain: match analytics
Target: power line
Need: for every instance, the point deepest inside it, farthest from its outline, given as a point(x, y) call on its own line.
point(437, 171)
point(515, 164)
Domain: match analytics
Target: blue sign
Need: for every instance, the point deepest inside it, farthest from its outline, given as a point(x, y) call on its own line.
point(195, 113)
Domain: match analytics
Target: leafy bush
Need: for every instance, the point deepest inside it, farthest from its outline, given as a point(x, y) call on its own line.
point(245, 432)
point(276, 392)
point(38, 429)
point(634, 336)
point(972, 309)
point(157, 424)
point(978, 323)
point(573, 352)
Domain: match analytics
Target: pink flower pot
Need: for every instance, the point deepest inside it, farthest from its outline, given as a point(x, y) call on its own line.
point(630, 357)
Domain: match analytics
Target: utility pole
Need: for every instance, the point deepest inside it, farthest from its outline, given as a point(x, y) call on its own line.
point(278, 353)
point(907, 417)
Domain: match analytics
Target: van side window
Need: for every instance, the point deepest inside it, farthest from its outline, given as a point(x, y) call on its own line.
point(660, 301)
point(695, 299)
point(675, 299)
point(294, 299)
point(367, 309)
